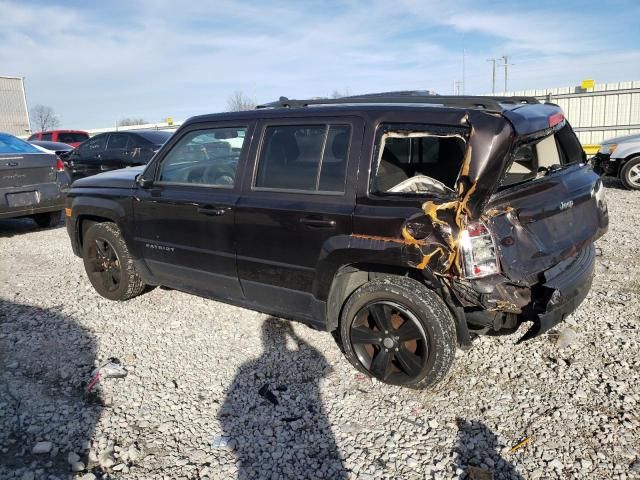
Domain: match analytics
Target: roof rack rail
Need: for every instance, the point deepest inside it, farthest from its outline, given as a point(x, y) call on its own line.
point(495, 104)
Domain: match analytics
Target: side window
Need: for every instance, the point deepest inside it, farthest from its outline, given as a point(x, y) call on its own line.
point(310, 158)
point(93, 146)
point(117, 141)
point(205, 157)
point(47, 137)
point(418, 159)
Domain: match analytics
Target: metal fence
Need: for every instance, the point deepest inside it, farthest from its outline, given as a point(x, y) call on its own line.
point(604, 111)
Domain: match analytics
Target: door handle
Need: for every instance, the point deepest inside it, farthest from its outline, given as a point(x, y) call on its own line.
point(315, 222)
point(212, 211)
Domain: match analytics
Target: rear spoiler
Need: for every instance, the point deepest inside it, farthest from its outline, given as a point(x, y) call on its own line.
point(536, 118)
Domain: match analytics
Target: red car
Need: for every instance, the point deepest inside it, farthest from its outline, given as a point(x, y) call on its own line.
point(70, 137)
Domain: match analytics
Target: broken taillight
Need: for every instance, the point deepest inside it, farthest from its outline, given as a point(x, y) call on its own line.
point(555, 119)
point(478, 251)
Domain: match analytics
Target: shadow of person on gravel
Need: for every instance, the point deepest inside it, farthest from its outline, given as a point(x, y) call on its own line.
point(479, 453)
point(273, 417)
point(45, 361)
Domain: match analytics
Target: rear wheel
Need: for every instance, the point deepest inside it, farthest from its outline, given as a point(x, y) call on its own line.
point(398, 331)
point(48, 220)
point(108, 263)
point(630, 174)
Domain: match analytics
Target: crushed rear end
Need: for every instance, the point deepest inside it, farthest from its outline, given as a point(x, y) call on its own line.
point(516, 244)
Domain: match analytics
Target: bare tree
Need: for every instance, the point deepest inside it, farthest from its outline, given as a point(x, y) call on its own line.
point(239, 102)
point(338, 94)
point(126, 122)
point(44, 118)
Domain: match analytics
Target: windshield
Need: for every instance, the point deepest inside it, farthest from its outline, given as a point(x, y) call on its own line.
point(11, 144)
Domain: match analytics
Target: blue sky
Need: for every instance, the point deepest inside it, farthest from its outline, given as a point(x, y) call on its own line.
point(97, 62)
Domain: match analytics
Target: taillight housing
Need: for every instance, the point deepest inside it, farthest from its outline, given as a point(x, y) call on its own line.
point(479, 257)
point(59, 165)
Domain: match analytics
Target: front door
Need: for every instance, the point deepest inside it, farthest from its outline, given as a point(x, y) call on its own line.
point(185, 221)
point(85, 160)
point(299, 197)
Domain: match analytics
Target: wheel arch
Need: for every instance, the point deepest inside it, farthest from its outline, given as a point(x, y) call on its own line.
point(348, 278)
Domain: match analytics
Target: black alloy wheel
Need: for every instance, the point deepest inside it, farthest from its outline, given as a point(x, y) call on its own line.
point(103, 265)
point(389, 342)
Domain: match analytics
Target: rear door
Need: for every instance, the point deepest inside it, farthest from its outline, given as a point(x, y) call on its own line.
point(552, 206)
point(184, 223)
point(300, 196)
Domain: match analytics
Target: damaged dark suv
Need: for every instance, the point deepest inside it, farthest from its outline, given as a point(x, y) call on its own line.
point(404, 224)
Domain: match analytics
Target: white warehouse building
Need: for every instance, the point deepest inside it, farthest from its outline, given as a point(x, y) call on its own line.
point(14, 115)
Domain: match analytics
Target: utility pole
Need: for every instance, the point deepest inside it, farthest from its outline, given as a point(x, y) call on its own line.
point(457, 87)
point(493, 75)
point(506, 64)
point(464, 82)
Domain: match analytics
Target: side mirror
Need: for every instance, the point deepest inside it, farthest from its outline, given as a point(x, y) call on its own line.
point(144, 182)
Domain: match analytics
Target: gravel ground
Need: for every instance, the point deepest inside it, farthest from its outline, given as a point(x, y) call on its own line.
point(215, 391)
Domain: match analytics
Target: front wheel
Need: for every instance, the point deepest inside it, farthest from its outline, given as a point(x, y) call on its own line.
point(108, 263)
point(397, 330)
point(630, 174)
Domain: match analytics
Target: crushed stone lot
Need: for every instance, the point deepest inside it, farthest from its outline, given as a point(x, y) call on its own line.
point(215, 391)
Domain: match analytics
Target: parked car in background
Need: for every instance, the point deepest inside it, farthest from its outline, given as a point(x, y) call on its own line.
point(70, 137)
point(32, 182)
point(620, 157)
point(403, 224)
point(114, 150)
point(60, 149)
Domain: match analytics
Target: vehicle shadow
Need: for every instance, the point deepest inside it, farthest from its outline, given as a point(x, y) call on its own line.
point(18, 226)
point(478, 453)
point(273, 418)
point(45, 360)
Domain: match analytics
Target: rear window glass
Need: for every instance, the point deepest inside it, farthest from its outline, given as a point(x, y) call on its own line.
point(418, 159)
point(72, 137)
point(304, 158)
point(11, 144)
point(47, 136)
point(155, 137)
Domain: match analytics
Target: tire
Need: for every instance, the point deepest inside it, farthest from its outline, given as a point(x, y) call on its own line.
point(420, 346)
point(108, 264)
point(630, 174)
point(48, 220)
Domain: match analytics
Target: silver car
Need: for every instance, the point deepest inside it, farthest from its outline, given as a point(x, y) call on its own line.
point(620, 157)
point(32, 182)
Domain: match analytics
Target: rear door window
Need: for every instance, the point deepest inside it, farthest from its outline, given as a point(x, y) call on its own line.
point(303, 158)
